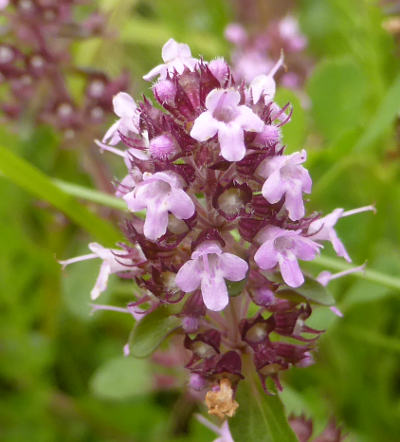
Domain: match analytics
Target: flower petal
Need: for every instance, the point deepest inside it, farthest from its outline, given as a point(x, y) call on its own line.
point(101, 282)
point(233, 267)
point(272, 190)
point(188, 276)
point(158, 70)
point(262, 84)
point(124, 105)
point(266, 256)
point(180, 204)
point(112, 136)
point(204, 127)
point(294, 202)
point(249, 120)
point(290, 271)
point(215, 293)
point(170, 50)
point(134, 204)
point(222, 98)
point(231, 140)
point(306, 249)
point(156, 222)
point(338, 246)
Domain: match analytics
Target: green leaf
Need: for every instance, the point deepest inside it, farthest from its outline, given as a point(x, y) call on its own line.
point(372, 337)
point(150, 331)
point(312, 290)
point(338, 90)
point(122, 378)
point(91, 195)
point(260, 417)
point(31, 179)
point(382, 119)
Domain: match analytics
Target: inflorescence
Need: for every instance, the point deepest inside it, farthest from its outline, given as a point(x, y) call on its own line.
point(225, 224)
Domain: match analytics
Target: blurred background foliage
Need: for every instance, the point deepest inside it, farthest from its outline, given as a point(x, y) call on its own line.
point(62, 374)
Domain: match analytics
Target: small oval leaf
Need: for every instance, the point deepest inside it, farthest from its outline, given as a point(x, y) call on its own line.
point(150, 331)
point(122, 378)
point(311, 290)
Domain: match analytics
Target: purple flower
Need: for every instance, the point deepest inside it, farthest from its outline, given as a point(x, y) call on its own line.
point(226, 117)
point(220, 69)
point(3, 4)
point(325, 277)
point(285, 247)
point(160, 193)
point(285, 177)
point(208, 268)
point(290, 33)
point(265, 84)
point(323, 228)
point(162, 147)
point(176, 57)
point(250, 63)
point(125, 108)
point(236, 34)
point(113, 262)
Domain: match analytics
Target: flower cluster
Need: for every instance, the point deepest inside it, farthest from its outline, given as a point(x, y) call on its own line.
point(36, 67)
point(218, 225)
point(254, 55)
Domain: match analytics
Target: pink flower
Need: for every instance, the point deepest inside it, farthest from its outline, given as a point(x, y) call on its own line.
point(176, 57)
point(265, 84)
point(323, 229)
point(160, 193)
point(208, 268)
point(325, 277)
point(220, 69)
point(285, 247)
point(290, 33)
point(128, 113)
point(285, 177)
point(226, 117)
point(3, 4)
point(236, 34)
point(113, 262)
point(249, 64)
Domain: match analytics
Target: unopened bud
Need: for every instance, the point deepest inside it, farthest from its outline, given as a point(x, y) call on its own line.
point(190, 324)
point(219, 68)
point(197, 382)
point(162, 147)
point(165, 91)
point(270, 135)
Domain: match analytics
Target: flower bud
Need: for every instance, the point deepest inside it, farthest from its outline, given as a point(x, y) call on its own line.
point(269, 136)
point(197, 382)
point(219, 68)
point(162, 147)
point(190, 324)
point(165, 91)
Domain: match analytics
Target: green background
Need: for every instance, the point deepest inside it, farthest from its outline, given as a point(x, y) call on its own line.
point(62, 375)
